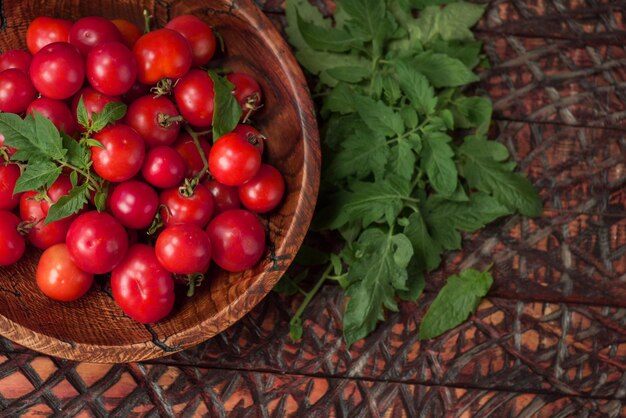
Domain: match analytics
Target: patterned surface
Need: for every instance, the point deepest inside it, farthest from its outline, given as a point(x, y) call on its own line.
point(549, 342)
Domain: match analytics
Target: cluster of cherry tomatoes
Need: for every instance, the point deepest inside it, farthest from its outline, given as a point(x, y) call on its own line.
point(175, 202)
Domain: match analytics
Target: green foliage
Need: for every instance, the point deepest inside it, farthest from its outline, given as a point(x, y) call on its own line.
point(407, 165)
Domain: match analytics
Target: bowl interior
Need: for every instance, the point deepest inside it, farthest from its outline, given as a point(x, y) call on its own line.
point(94, 328)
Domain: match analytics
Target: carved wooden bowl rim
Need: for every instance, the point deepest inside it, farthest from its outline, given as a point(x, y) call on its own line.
point(249, 13)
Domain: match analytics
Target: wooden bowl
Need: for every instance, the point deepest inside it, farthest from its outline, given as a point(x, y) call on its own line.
point(94, 328)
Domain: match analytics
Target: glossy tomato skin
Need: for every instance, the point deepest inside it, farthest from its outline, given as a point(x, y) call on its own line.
point(142, 288)
point(134, 204)
point(94, 102)
point(151, 117)
point(12, 244)
point(264, 191)
point(184, 249)
point(247, 92)
point(224, 197)
point(252, 135)
point(196, 209)
point(237, 238)
point(57, 111)
point(40, 235)
point(187, 149)
point(16, 91)
point(97, 242)
point(59, 278)
point(195, 98)
point(9, 174)
point(129, 31)
point(57, 70)
point(16, 58)
point(199, 35)
point(233, 160)
point(47, 30)
point(123, 153)
point(111, 68)
point(163, 53)
point(91, 31)
point(163, 167)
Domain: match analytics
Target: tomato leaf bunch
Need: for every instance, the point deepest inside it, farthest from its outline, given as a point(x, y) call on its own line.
point(407, 165)
point(43, 153)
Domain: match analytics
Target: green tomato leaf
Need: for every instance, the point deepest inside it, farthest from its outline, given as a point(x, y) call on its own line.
point(511, 189)
point(446, 218)
point(309, 13)
point(340, 100)
point(415, 282)
point(227, 112)
point(68, 204)
point(373, 279)
point(349, 73)
point(324, 38)
point(455, 302)
point(442, 70)
point(362, 153)
point(77, 155)
point(82, 114)
point(438, 162)
point(111, 113)
point(36, 176)
point(451, 22)
point(473, 112)
point(427, 250)
point(378, 116)
point(402, 161)
point(368, 18)
point(416, 87)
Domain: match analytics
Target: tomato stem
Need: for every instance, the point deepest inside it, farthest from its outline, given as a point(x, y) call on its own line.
point(309, 295)
point(205, 163)
point(166, 120)
point(163, 87)
point(147, 18)
point(193, 280)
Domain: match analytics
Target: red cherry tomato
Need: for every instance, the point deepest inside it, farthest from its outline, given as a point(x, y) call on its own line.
point(156, 120)
point(196, 209)
point(247, 92)
point(57, 111)
point(111, 68)
point(57, 70)
point(233, 160)
point(237, 238)
point(263, 192)
point(184, 249)
point(59, 278)
point(163, 167)
point(224, 197)
point(199, 35)
point(9, 174)
point(195, 98)
point(97, 242)
point(187, 149)
point(16, 91)
point(129, 31)
point(134, 204)
point(47, 30)
point(39, 235)
point(141, 287)
point(12, 244)
point(163, 53)
point(252, 135)
point(92, 31)
point(16, 58)
point(118, 140)
point(94, 102)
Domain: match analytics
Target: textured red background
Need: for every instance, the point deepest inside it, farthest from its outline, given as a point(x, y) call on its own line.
point(550, 341)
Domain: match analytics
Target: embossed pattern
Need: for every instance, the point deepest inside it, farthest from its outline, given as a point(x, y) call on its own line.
point(549, 342)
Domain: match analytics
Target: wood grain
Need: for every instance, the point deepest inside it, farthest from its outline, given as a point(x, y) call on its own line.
point(94, 328)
